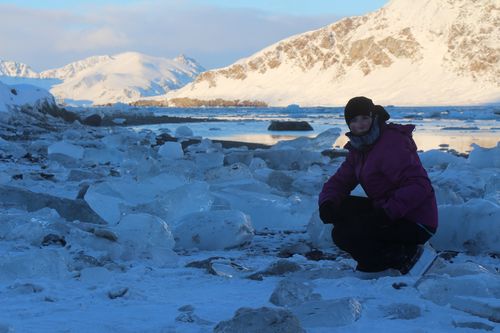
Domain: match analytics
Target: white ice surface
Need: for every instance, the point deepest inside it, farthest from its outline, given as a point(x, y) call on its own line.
point(130, 275)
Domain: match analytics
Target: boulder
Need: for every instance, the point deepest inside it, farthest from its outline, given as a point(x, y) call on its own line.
point(92, 120)
point(289, 126)
point(261, 320)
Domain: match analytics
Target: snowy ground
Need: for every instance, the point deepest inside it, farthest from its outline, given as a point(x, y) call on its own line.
point(104, 230)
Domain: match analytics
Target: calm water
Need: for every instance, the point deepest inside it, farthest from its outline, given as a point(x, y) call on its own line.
point(436, 127)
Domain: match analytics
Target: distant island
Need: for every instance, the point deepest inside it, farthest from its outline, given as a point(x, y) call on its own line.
point(186, 102)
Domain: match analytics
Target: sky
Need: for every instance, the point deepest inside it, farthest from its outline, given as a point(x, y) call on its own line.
point(52, 33)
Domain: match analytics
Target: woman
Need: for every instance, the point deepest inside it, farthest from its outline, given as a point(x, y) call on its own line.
point(384, 230)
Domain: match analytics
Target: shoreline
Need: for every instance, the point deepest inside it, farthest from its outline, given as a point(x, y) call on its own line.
point(134, 120)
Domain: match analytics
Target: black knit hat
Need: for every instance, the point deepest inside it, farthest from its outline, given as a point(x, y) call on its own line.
point(364, 106)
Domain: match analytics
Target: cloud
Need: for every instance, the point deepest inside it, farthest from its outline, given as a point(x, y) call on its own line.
point(212, 35)
point(92, 39)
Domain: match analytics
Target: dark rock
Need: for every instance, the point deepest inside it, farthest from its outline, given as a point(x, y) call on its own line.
point(186, 308)
point(289, 250)
point(211, 265)
point(333, 153)
point(191, 318)
point(279, 268)
point(57, 112)
point(13, 91)
point(47, 176)
point(205, 264)
point(224, 143)
point(126, 119)
point(53, 239)
point(289, 126)
point(238, 144)
point(448, 255)
point(164, 137)
point(31, 158)
point(317, 255)
point(93, 120)
point(106, 234)
point(84, 260)
point(117, 292)
point(261, 320)
point(399, 285)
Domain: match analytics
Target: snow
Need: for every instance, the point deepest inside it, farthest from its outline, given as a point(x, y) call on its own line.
point(17, 96)
point(406, 53)
point(12, 68)
point(102, 230)
point(122, 77)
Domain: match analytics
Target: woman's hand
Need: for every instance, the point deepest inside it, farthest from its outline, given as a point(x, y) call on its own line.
point(328, 212)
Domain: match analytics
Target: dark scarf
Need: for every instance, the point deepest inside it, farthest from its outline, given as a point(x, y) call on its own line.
point(364, 142)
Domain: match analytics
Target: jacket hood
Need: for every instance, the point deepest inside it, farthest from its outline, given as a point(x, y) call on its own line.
point(403, 129)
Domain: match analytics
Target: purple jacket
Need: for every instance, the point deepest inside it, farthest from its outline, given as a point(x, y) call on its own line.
point(391, 174)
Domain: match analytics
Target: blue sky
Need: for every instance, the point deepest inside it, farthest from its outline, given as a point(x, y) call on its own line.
point(51, 33)
point(293, 7)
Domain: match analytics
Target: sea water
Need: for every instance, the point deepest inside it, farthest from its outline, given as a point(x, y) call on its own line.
point(454, 128)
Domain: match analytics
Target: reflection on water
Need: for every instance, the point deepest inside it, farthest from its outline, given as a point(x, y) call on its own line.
point(458, 132)
point(459, 141)
point(266, 139)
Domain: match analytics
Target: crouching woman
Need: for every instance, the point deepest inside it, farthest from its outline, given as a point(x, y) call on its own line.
point(385, 229)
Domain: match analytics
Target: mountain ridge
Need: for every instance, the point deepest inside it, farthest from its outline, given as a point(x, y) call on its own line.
point(122, 77)
point(414, 53)
point(14, 68)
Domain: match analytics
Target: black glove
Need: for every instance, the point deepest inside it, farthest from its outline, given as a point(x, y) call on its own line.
point(378, 216)
point(328, 212)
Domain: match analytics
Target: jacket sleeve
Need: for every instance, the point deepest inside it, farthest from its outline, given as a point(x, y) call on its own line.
point(403, 167)
point(340, 184)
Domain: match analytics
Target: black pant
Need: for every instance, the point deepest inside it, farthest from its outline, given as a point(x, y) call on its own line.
point(375, 246)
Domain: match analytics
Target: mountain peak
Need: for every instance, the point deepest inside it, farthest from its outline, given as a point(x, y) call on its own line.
point(426, 52)
point(185, 60)
point(12, 68)
point(73, 68)
point(122, 77)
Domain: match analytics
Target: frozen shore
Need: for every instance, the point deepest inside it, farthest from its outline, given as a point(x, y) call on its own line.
point(109, 229)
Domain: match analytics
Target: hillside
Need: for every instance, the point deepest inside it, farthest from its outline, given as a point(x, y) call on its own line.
point(106, 79)
point(428, 52)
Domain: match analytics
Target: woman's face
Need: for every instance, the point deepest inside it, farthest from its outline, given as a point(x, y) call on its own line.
point(360, 125)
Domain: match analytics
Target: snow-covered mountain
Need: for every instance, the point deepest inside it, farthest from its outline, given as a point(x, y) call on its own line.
point(72, 69)
point(107, 79)
point(19, 96)
point(425, 52)
point(12, 68)
point(121, 78)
